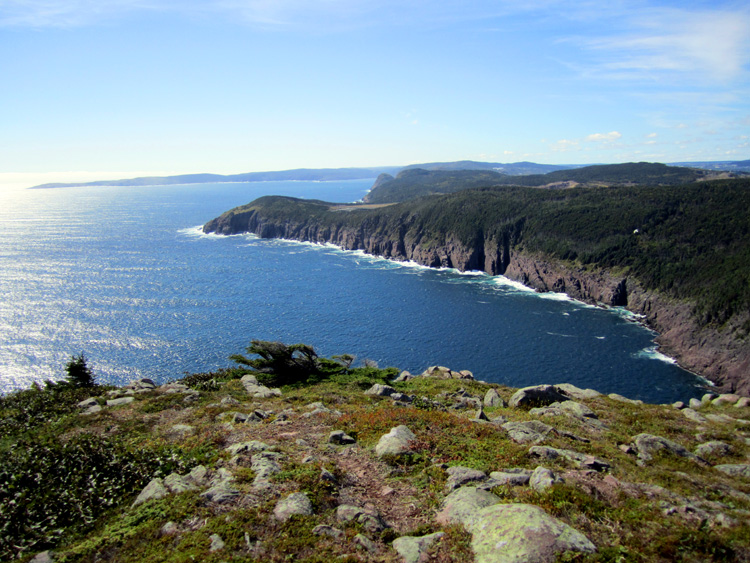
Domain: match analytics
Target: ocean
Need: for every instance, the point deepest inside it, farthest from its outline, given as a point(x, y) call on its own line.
point(125, 276)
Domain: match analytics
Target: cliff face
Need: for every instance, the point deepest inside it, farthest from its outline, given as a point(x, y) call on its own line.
point(712, 353)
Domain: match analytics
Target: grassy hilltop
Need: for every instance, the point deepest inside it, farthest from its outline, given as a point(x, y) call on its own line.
point(224, 454)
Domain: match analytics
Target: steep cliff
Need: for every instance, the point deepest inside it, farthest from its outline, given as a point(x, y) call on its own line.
point(719, 352)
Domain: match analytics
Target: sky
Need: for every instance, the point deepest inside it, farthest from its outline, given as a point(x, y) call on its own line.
point(105, 89)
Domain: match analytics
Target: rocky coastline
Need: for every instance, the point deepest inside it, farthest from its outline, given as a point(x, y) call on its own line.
point(711, 353)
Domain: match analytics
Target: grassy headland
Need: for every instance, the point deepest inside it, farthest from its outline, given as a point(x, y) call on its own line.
point(228, 452)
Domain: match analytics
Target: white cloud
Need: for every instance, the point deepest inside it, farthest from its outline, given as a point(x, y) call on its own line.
point(565, 145)
point(652, 135)
point(604, 137)
point(668, 41)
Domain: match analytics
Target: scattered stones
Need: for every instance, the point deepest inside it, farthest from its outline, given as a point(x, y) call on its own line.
point(532, 431)
point(543, 478)
point(217, 543)
point(339, 437)
point(397, 442)
point(120, 401)
point(459, 476)
point(247, 447)
point(577, 458)
point(462, 505)
point(713, 448)
point(154, 490)
point(369, 519)
point(256, 390)
point(536, 396)
point(442, 372)
point(493, 399)
point(522, 533)
point(296, 504)
point(411, 548)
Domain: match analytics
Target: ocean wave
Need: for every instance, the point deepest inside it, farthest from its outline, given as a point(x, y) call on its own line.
point(652, 353)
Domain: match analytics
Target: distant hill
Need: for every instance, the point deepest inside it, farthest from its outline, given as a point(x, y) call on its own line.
point(728, 165)
point(514, 169)
point(299, 174)
point(416, 182)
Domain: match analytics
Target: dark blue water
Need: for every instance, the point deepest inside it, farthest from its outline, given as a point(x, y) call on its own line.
point(124, 276)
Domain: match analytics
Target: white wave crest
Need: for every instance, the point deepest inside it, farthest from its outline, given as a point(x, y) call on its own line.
point(652, 353)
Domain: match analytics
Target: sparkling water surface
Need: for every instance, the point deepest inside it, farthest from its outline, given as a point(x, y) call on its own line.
point(124, 275)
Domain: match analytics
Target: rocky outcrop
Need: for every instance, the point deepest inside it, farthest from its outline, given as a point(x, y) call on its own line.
point(715, 354)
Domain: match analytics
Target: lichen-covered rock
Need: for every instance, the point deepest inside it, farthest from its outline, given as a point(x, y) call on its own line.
point(217, 544)
point(176, 483)
point(648, 445)
point(296, 504)
point(120, 401)
point(576, 392)
point(493, 399)
point(735, 469)
point(411, 548)
point(522, 533)
point(516, 476)
point(380, 390)
point(154, 490)
point(543, 478)
point(713, 448)
point(695, 416)
point(397, 442)
point(459, 476)
point(462, 505)
point(532, 431)
point(256, 390)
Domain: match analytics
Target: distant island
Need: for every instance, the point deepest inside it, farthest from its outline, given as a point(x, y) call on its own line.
point(340, 174)
point(669, 243)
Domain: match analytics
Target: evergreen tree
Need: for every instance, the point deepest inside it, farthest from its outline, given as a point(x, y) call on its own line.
point(78, 372)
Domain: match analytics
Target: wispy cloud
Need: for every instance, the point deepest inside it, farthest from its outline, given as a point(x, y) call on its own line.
point(668, 42)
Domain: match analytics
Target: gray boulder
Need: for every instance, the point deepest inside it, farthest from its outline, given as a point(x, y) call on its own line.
point(713, 448)
point(296, 504)
point(217, 544)
point(621, 399)
point(695, 416)
point(43, 557)
point(459, 476)
point(397, 442)
point(256, 390)
point(648, 445)
point(576, 392)
point(516, 476)
point(154, 490)
point(368, 519)
point(380, 390)
point(543, 478)
point(340, 438)
point(120, 401)
point(695, 403)
point(411, 548)
point(176, 483)
point(532, 431)
point(536, 396)
point(735, 469)
point(522, 533)
point(462, 505)
point(579, 459)
point(493, 399)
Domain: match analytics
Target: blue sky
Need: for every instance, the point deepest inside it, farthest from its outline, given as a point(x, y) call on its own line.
point(97, 89)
